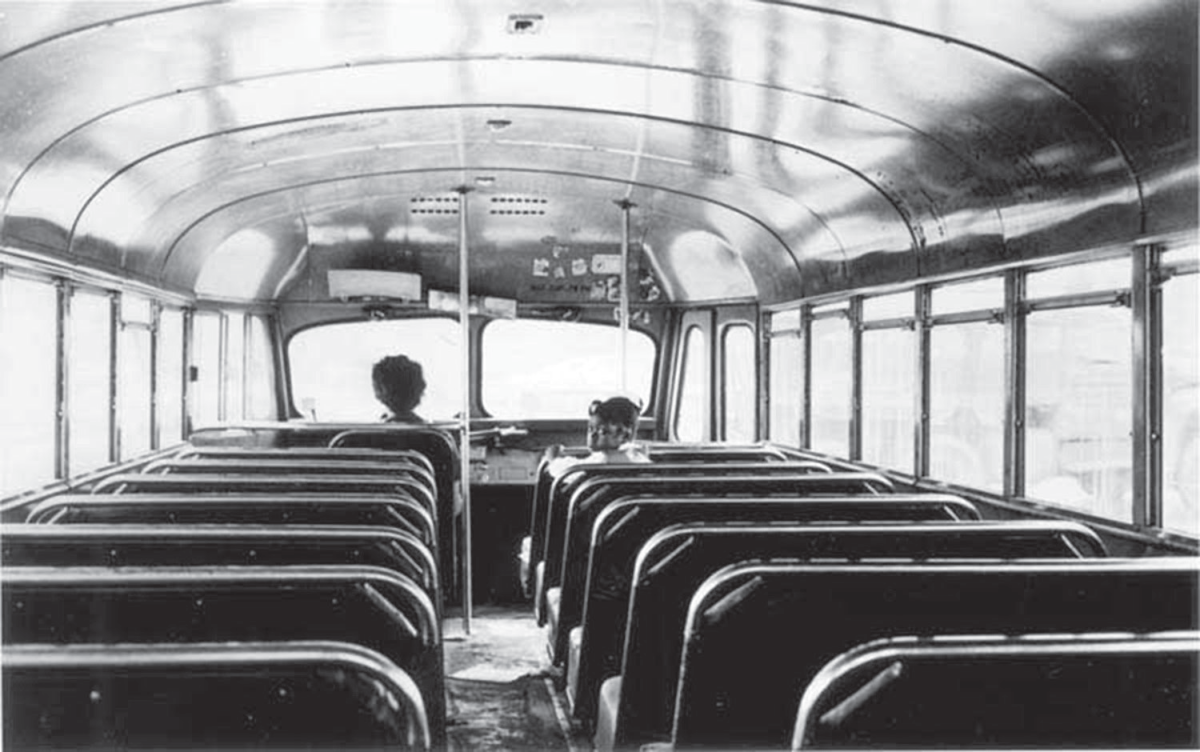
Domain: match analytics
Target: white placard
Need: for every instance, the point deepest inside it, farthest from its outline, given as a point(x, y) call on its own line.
point(440, 300)
point(504, 308)
point(368, 283)
point(606, 263)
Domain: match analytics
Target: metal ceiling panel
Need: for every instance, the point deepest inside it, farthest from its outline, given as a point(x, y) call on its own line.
point(803, 146)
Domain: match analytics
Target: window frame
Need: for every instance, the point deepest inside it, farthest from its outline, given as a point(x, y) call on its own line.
point(1149, 270)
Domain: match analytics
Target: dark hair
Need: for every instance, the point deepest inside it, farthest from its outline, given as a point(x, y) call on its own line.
point(619, 410)
point(399, 382)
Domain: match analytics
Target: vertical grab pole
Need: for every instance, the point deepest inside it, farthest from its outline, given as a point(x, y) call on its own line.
point(625, 205)
point(464, 319)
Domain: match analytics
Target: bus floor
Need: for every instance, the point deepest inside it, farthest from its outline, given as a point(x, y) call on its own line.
point(500, 685)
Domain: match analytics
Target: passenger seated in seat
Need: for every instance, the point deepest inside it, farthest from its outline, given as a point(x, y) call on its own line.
point(399, 385)
point(612, 428)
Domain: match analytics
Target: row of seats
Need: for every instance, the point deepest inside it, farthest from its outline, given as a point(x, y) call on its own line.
point(694, 603)
point(245, 592)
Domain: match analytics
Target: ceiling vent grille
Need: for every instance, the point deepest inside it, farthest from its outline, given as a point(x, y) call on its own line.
point(433, 204)
point(522, 206)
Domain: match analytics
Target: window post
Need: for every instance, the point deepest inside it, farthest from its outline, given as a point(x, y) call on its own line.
point(1014, 386)
point(1146, 302)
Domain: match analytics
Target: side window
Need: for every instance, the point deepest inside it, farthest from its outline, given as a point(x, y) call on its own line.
point(786, 379)
point(739, 405)
point(1078, 396)
point(169, 379)
point(966, 409)
point(1181, 399)
point(206, 359)
point(889, 381)
point(832, 373)
point(28, 379)
point(260, 380)
point(89, 380)
point(967, 385)
point(888, 398)
point(235, 359)
point(691, 417)
point(133, 369)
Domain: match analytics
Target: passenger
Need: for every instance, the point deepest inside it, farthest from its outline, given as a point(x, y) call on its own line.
point(612, 428)
point(399, 385)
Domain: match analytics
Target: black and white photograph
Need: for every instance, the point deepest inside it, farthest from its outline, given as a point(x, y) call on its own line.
point(599, 375)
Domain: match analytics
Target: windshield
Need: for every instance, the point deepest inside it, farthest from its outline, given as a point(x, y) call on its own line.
point(530, 369)
point(331, 367)
point(554, 369)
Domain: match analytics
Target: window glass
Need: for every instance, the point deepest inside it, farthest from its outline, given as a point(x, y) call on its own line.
point(1078, 411)
point(740, 394)
point(1179, 255)
point(786, 379)
point(690, 420)
point(235, 354)
point(831, 386)
point(554, 369)
point(978, 295)
point(28, 383)
point(841, 305)
point(786, 388)
point(1181, 405)
point(133, 405)
point(1079, 278)
point(136, 309)
point(895, 306)
point(89, 380)
point(785, 321)
point(331, 367)
point(260, 381)
point(966, 411)
point(888, 398)
point(206, 359)
point(170, 376)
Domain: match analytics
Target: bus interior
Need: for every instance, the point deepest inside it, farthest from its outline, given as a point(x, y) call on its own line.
point(903, 293)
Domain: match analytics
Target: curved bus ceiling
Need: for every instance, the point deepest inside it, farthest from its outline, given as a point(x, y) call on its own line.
point(239, 150)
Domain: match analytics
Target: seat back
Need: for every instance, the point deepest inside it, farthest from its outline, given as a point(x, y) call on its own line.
point(437, 442)
point(294, 465)
point(1027, 691)
point(662, 456)
point(222, 482)
point(678, 559)
point(261, 695)
point(403, 456)
point(620, 529)
point(133, 544)
point(368, 606)
point(440, 445)
point(757, 632)
point(712, 453)
point(571, 523)
point(184, 508)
